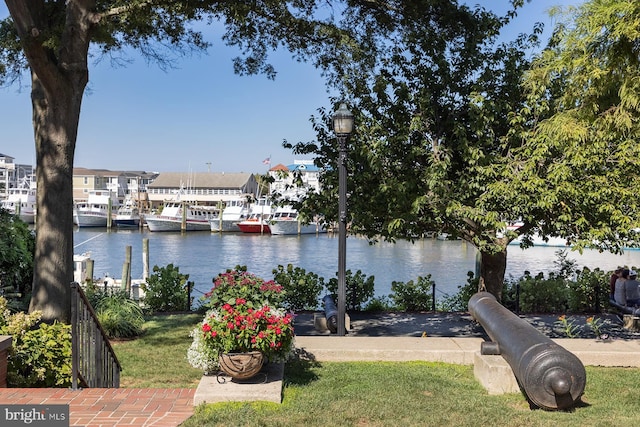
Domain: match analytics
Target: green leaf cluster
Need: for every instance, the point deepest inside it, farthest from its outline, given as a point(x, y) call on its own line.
point(166, 289)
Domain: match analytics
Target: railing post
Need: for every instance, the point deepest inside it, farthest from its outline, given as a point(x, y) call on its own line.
point(74, 336)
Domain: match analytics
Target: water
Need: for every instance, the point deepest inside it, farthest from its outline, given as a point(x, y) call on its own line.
point(203, 255)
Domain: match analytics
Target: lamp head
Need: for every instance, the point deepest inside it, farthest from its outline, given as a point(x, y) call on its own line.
point(342, 121)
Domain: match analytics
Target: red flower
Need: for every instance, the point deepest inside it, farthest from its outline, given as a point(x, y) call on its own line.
point(206, 327)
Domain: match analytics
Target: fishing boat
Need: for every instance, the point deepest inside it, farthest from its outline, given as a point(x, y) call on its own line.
point(128, 214)
point(21, 201)
point(286, 221)
point(235, 211)
point(96, 210)
point(181, 216)
point(258, 219)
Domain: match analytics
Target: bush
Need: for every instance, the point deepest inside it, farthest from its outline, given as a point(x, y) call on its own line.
point(234, 284)
point(40, 356)
point(302, 289)
point(359, 289)
point(119, 315)
point(413, 296)
point(166, 289)
point(17, 247)
point(590, 287)
point(378, 304)
point(540, 295)
point(460, 300)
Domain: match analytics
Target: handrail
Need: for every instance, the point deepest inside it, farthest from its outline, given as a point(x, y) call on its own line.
point(93, 360)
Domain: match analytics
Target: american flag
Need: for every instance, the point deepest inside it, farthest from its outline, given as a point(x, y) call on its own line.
point(267, 161)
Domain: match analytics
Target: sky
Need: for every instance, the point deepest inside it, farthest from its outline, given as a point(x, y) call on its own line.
point(200, 117)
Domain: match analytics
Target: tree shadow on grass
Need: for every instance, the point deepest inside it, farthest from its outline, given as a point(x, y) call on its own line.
point(300, 369)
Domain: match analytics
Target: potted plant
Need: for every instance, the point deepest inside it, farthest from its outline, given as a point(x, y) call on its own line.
point(244, 326)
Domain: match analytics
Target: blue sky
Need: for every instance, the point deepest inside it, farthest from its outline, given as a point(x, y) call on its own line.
point(198, 117)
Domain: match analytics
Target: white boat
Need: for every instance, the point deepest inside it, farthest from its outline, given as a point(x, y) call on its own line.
point(96, 210)
point(178, 216)
point(537, 239)
point(235, 211)
point(286, 221)
point(22, 201)
point(128, 214)
point(258, 219)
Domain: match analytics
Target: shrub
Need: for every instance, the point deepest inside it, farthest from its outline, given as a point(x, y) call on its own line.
point(166, 289)
point(119, 315)
point(413, 296)
point(378, 304)
point(302, 289)
point(40, 356)
point(588, 288)
point(460, 300)
point(540, 295)
point(359, 289)
point(234, 284)
point(17, 247)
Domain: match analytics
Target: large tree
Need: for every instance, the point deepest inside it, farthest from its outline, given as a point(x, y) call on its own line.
point(431, 110)
point(52, 40)
point(448, 138)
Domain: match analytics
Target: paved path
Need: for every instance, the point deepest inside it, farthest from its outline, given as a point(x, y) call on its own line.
point(111, 407)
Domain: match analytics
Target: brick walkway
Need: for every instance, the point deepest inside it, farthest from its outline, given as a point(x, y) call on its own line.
point(112, 407)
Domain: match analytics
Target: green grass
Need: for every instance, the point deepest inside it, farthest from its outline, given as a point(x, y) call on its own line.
point(371, 394)
point(158, 358)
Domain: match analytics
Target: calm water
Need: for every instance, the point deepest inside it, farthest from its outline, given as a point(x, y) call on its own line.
point(203, 255)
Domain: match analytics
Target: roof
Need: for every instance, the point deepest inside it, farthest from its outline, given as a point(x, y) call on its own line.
point(201, 180)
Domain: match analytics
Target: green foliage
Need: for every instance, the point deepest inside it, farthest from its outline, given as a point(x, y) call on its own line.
point(412, 296)
point(166, 289)
point(378, 304)
point(588, 288)
point(119, 315)
point(238, 283)
point(17, 246)
point(302, 289)
point(359, 289)
point(540, 295)
point(460, 300)
point(40, 354)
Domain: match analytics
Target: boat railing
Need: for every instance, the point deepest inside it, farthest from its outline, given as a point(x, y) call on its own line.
point(93, 360)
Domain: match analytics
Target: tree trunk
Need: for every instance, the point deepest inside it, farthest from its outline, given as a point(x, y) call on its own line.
point(55, 120)
point(492, 269)
point(59, 75)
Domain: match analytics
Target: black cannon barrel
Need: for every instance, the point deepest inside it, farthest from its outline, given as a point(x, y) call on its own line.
point(552, 377)
point(330, 313)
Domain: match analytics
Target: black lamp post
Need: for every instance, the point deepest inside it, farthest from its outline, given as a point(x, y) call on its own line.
point(342, 126)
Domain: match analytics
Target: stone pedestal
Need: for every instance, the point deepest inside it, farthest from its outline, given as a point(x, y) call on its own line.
point(495, 374)
point(5, 344)
point(320, 322)
point(631, 322)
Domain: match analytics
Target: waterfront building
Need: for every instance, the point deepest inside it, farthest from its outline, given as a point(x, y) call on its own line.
point(122, 183)
point(203, 188)
point(285, 177)
point(13, 175)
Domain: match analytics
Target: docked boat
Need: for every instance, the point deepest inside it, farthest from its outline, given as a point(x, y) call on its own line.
point(179, 216)
point(22, 201)
point(235, 211)
point(128, 215)
point(286, 221)
point(258, 219)
point(96, 210)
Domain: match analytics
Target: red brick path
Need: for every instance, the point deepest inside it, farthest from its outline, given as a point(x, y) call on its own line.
point(111, 407)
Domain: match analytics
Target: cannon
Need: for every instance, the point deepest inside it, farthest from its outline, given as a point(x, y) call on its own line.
point(551, 377)
point(331, 313)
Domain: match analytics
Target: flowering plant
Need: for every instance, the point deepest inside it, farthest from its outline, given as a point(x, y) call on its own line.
point(242, 317)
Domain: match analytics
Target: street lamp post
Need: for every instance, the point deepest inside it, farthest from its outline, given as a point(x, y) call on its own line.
point(342, 126)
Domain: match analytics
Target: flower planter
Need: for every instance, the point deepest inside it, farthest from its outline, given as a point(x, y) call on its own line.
point(241, 366)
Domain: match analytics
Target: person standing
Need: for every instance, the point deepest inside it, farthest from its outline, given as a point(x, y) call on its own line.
point(612, 282)
point(619, 292)
point(632, 290)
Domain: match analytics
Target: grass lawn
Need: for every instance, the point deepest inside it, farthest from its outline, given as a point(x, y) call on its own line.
point(367, 394)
